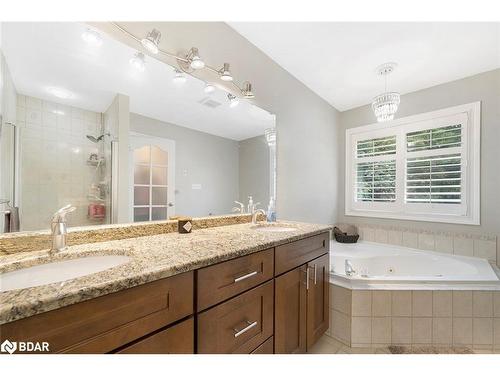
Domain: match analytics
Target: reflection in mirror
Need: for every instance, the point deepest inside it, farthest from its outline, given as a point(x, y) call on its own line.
point(82, 125)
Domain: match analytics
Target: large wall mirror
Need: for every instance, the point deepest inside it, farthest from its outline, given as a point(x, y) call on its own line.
point(122, 141)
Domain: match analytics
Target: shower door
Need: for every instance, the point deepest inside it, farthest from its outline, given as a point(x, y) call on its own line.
point(152, 178)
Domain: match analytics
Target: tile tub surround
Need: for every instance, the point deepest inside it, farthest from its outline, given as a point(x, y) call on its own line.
point(364, 318)
point(153, 258)
point(483, 246)
point(12, 243)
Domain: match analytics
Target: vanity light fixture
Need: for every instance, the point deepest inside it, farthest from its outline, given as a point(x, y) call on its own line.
point(247, 90)
point(187, 63)
point(225, 74)
point(209, 88)
point(92, 37)
point(194, 59)
point(179, 77)
point(60, 93)
point(386, 104)
point(233, 100)
point(138, 61)
point(152, 41)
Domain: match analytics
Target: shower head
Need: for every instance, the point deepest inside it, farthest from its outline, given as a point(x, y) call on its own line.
point(98, 139)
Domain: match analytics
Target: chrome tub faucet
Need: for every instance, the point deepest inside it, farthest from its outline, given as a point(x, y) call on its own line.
point(349, 271)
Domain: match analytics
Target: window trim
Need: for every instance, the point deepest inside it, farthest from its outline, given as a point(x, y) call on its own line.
point(471, 171)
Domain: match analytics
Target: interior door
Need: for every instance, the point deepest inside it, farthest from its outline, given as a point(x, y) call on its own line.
point(152, 178)
point(290, 312)
point(317, 299)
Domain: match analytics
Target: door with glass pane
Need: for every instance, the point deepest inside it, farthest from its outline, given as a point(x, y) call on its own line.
point(152, 161)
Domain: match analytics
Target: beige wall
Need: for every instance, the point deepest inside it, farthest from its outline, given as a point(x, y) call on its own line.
point(483, 87)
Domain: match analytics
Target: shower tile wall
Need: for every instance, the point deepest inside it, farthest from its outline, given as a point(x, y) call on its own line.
point(54, 150)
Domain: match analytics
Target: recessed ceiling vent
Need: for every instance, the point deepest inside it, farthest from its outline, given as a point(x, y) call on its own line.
point(209, 102)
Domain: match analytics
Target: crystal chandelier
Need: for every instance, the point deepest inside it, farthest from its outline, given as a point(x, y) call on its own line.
point(386, 104)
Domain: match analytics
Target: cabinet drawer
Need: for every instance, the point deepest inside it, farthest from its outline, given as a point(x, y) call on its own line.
point(266, 348)
point(239, 325)
point(178, 339)
point(105, 323)
point(225, 280)
point(296, 253)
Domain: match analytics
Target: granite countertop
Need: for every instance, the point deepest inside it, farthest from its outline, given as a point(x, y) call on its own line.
point(153, 258)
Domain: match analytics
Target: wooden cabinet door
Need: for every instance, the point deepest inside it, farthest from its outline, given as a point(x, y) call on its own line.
point(239, 325)
point(178, 339)
point(317, 299)
point(290, 312)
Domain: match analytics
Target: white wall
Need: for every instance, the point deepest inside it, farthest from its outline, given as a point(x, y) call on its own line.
point(201, 158)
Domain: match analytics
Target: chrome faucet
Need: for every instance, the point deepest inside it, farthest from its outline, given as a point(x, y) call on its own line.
point(349, 271)
point(59, 228)
point(256, 213)
point(240, 209)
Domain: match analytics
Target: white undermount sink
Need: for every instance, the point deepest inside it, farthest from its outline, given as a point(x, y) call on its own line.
point(273, 228)
point(59, 271)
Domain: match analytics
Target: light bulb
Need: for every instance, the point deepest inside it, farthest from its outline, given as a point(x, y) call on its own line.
point(152, 41)
point(197, 63)
point(247, 91)
point(194, 59)
point(225, 74)
point(209, 88)
point(92, 37)
point(138, 61)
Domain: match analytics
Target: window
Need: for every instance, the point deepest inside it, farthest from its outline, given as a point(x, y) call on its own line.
point(423, 167)
point(150, 183)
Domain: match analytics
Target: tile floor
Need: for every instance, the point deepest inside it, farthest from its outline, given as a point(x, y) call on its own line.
point(328, 345)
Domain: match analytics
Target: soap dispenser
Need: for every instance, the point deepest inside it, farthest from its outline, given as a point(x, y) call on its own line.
point(271, 211)
point(250, 206)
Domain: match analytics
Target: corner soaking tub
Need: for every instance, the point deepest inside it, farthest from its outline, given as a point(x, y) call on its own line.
point(383, 266)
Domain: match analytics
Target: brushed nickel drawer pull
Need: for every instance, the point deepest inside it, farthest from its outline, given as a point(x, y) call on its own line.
point(315, 269)
point(242, 331)
point(241, 278)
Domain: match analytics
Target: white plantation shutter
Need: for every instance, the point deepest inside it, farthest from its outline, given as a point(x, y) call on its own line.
point(376, 170)
point(434, 178)
point(426, 169)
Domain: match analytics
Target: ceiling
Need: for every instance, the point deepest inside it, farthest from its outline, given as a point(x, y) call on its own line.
point(42, 55)
point(338, 60)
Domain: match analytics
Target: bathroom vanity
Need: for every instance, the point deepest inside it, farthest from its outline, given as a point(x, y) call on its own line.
point(233, 289)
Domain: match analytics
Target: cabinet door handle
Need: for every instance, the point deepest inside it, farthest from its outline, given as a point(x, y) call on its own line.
point(243, 330)
point(241, 278)
point(315, 269)
point(307, 278)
